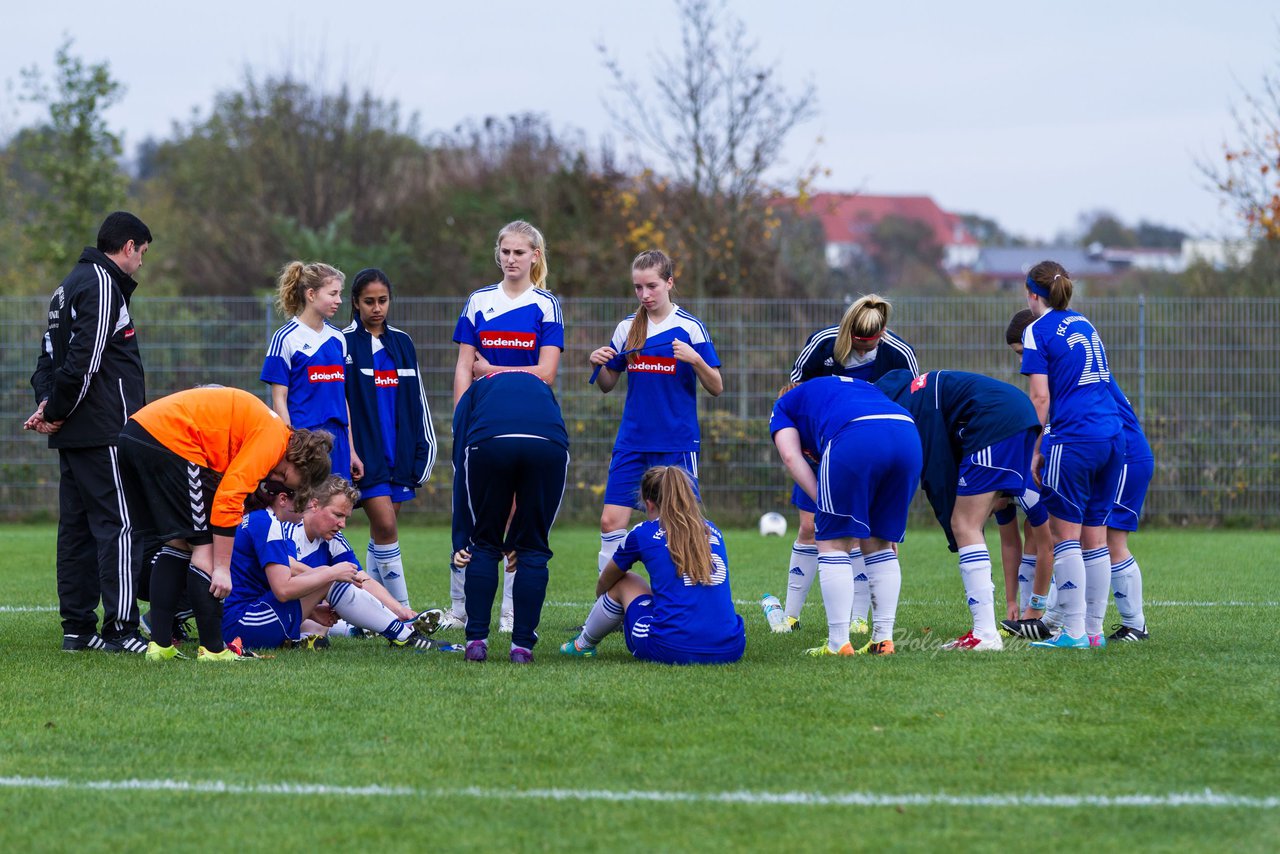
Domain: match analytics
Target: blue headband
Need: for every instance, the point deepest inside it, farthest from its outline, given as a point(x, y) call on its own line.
point(1037, 288)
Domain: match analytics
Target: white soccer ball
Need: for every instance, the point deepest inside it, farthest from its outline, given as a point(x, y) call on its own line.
point(774, 524)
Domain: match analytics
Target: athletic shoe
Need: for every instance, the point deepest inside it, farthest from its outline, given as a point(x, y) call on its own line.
point(156, 652)
point(181, 628)
point(572, 648)
point(1032, 629)
point(450, 620)
point(824, 650)
point(237, 646)
point(227, 655)
point(1062, 640)
point(858, 626)
point(1122, 633)
point(1097, 641)
point(131, 644)
point(971, 641)
point(506, 622)
point(520, 655)
point(791, 624)
point(79, 643)
point(308, 641)
point(477, 650)
point(415, 641)
point(428, 622)
point(884, 647)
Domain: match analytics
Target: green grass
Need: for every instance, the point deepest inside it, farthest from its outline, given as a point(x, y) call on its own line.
point(474, 746)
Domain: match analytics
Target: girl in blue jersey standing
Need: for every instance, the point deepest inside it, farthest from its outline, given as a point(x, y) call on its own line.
point(1080, 456)
point(513, 325)
point(390, 423)
point(306, 360)
point(861, 346)
point(685, 614)
point(666, 353)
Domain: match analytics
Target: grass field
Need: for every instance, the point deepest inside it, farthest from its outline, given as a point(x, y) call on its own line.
point(1167, 745)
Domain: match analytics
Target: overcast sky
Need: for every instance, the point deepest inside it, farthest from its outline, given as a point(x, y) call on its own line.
point(1027, 112)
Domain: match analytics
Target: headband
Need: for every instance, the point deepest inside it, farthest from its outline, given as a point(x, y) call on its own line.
point(1037, 288)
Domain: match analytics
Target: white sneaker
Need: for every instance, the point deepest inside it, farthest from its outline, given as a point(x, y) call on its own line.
point(978, 643)
point(451, 620)
point(506, 622)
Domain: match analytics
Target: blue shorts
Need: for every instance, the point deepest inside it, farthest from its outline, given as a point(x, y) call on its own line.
point(637, 625)
point(1031, 505)
point(801, 501)
point(1135, 477)
point(1004, 466)
point(868, 495)
point(627, 467)
point(1081, 479)
point(398, 494)
point(267, 623)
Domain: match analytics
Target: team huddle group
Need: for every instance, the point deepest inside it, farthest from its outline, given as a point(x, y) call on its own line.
point(210, 504)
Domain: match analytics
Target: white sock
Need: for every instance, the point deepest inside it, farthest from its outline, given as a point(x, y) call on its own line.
point(885, 576)
point(341, 629)
point(861, 588)
point(609, 544)
point(1026, 579)
point(1097, 588)
point(508, 579)
point(979, 591)
point(390, 570)
point(1069, 578)
point(804, 567)
point(371, 562)
point(458, 591)
point(605, 617)
point(835, 574)
point(360, 608)
point(1126, 583)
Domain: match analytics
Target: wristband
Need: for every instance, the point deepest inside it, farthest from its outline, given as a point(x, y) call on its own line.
point(1038, 602)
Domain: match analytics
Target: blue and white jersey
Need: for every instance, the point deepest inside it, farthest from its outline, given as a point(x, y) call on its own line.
point(312, 365)
point(691, 617)
point(818, 358)
point(1136, 446)
point(822, 407)
point(386, 383)
point(321, 552)
point(260, 540)
point(510, 333)
point(661, 410)
point(1064, 346)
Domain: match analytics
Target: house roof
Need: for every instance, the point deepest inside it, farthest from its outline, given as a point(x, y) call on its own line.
point(849, 217)
point(1011, 262)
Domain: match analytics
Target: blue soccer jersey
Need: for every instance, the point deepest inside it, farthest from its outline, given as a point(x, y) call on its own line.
point(689, 618)
point(386, 381)
point(1065, 347)
point(321, 552)
point(260, 540)
point(818, 358)
point(822, 407)
point(1136, 446)
point(661, 410)
point(510, 333)
point(312, 366)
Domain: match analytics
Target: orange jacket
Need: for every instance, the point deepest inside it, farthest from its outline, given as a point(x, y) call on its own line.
point(224, 429)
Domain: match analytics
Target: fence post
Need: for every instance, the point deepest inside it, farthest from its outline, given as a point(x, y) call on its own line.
point(1142, 356)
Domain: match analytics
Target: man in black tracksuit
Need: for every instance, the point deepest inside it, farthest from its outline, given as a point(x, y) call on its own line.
point(88, 381)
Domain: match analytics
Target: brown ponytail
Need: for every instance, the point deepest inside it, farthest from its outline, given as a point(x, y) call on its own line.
point(1054, 278)
point(671, 489)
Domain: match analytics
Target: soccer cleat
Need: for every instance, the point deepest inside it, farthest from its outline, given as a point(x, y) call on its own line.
point(131, 644)
point(477, 650)
point(1121, 633)
point(1062, 640)
point(227, 655)
point(156, 652)
point(790, 624)
point(307, 641)
point(79, 643)
point(858, 626)
point(428, 622)
point(520, 655)
point(451, 620)
point(971, 641)
point(237, 646)
point(1097, 641)
point(884, 647)
point(572, 648)
point(1032, 629)
point(415, 641)
point(506, 622)
point(824, 650)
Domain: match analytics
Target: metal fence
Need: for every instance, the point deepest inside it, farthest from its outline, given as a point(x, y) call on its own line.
point(1204, 377)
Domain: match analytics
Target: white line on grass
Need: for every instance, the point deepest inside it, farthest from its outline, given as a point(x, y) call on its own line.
point(26, 609)
point(1207, 798)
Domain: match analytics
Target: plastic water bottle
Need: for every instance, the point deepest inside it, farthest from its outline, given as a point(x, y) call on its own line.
point(773, 612)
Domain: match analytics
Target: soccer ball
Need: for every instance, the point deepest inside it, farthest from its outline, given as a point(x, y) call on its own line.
point(773, 524)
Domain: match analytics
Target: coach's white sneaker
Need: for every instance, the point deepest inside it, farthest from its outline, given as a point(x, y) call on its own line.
point(451, 620)
point(976, 643)
point(506, 622)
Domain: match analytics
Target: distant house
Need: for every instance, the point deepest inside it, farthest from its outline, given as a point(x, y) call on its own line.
point(1006, 266)
point(848, 219)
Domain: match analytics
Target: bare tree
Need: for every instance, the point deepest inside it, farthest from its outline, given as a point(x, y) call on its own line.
point(717, 117)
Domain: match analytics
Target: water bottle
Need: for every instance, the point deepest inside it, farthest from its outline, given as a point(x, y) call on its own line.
point(773, 612)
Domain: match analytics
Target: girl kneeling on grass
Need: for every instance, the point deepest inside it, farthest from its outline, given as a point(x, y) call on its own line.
point(686, 616)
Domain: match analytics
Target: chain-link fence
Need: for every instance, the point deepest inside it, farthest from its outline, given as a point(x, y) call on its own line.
point(1204, 378)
